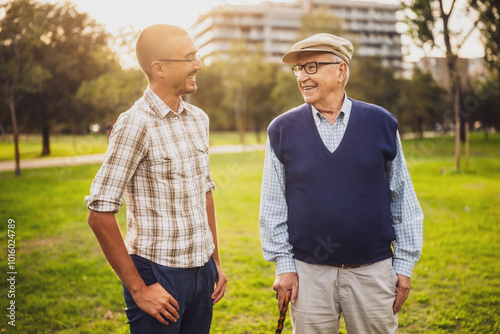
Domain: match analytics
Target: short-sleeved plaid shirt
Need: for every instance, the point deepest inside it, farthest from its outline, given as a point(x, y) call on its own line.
point(158, 160)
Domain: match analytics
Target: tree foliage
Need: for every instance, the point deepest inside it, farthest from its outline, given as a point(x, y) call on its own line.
point(489, 25)
point(372, 82)
point(20, 73)
point(428, 19)
point(482, 102)
point(421, 103)
point(235, 90)
point(48, 50)
point(111, 93)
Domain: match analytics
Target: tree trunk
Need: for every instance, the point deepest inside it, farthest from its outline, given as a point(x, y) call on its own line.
point(257, 135)
point(451, 61)
point(12, 107)
point(467, 145)
point(4, 133)
point(456, 108)
point(45, 133)
point(239, 113)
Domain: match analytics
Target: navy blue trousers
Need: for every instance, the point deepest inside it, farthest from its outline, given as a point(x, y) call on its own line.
point(191, 287)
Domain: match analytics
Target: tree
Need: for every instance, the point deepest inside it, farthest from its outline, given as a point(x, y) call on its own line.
point(285, 93)
point(74, 50)
point(110, 94)
point(20, 72)
point(489, 26)
point(483, 102)
point(48, 50)
point(421, 101)
point(246, 79)
point(212, 96)
point(260, 106)
point(426, 20)
point(372, 82)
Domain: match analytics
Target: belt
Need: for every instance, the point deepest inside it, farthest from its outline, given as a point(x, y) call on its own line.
point(345, 266)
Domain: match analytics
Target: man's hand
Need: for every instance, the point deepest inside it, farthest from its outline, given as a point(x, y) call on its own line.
point(220, 285)
point(403, 291)
point(283, 283)
point(157, 302)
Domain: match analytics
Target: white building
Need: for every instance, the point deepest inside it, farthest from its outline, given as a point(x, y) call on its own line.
point(371, 26)
point(468, 68)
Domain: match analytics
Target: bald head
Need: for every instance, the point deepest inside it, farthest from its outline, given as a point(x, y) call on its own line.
point(155, 42)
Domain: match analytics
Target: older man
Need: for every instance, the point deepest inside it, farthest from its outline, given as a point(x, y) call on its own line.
point(336, 194)
point(158, 159)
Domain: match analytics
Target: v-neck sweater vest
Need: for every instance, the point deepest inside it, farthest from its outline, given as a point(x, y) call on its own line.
point(338, 202)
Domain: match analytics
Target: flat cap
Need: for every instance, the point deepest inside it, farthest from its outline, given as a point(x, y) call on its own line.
point(321, 42)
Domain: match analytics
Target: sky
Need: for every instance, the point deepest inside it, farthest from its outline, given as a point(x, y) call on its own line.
point(117, 14)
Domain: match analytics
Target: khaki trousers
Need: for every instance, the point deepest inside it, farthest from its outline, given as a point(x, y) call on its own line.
point(364, 295)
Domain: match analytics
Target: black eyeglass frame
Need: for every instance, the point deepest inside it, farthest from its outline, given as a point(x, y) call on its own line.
point(300, 67)
point(190, 60)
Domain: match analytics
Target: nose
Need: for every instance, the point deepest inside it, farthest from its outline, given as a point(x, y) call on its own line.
point(303, 76)
point(198, 64)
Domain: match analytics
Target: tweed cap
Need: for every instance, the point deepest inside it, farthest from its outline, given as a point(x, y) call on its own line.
point(321, 42)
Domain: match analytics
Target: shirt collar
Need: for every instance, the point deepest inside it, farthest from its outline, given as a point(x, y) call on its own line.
point(343, 116)
point(160, 107)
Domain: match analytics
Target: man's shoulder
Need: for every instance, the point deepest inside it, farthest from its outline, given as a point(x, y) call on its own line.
point(290, 116)
point(194, 110)
point(137, 117)
point(139, 112)
point(372, 108)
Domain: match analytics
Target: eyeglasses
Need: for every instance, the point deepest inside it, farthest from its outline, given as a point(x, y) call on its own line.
point(190, 60)
point(310, 67)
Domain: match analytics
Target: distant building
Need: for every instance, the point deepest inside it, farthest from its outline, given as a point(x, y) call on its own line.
point(370, 25)
point(438, 68)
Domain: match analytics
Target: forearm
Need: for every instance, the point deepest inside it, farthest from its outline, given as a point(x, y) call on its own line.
point(110, 239)
point(407, 216)
point(213, 225)
point(274, 214)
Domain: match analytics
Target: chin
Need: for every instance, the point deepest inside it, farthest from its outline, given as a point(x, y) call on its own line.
point(190, 90)
point(309, 100)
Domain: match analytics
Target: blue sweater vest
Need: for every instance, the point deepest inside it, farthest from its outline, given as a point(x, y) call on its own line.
point(338, 203)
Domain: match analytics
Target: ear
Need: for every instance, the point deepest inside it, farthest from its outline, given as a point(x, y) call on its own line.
point(157, 69)
point(342, 72)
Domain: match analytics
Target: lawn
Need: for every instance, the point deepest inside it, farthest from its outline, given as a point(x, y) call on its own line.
point(64, 284)
point(30, 146)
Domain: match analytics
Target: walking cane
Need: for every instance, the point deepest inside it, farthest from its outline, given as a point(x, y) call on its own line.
point(284, 308)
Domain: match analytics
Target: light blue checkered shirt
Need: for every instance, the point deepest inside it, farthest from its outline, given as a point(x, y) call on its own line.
point(406, 212)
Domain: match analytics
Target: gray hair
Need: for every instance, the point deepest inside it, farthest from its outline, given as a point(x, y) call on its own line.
point(338, 59)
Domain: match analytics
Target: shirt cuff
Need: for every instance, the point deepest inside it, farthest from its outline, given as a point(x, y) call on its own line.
point(102, 204)
point(210, 184)
point(285, 265)
point(403, 267)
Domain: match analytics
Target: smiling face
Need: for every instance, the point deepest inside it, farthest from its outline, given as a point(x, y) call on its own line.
point(324, 87)
point(180, 77)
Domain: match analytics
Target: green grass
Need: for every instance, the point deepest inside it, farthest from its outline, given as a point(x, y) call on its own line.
point(30, 146)
point(64, 284)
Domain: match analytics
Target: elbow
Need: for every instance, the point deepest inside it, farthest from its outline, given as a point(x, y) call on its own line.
point(92, 219)
point(97, 219)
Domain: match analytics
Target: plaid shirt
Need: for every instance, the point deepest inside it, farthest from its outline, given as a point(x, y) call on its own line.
point(158, 160)
point(406, 212)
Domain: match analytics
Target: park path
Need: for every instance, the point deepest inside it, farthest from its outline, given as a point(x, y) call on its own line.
point(99, 157)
